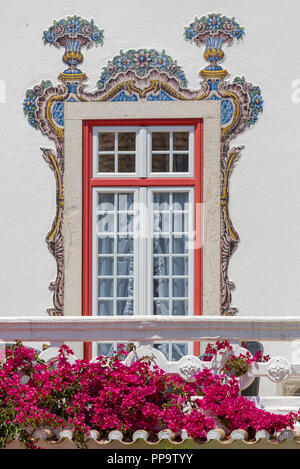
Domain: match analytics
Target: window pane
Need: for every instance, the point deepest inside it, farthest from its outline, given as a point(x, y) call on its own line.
point(126, 141)
point(161, 201)
point(180, 222)
point(161, 265)
point(179, 244)
point(105, 287)
point(106, 350)
point(106, 202)
point(105, 223)
point(180, 265)
point(180, 199)
point(179, 351)
point(160, 307)
point(124, 287)
point(180, 163)
point(105, 245)
point(180, 308)
point(161, 245)
point(106, 141)
point(125, 201)
point(105, 308)
point(125, 223)
point(161, 288)
point(160, 163)
point(125, 265)
point(161, 222)
point(163, 348)
point(125, 245)
point(106, 163)
point(124, 307)
point(106, 266)
point(180, 141)
point(180, 287)
point(126, 163)
point(160, 141)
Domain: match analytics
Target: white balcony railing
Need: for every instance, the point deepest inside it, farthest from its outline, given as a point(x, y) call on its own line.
point(146, 330)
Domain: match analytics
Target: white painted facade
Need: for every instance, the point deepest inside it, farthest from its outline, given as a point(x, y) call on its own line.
point(264, 188)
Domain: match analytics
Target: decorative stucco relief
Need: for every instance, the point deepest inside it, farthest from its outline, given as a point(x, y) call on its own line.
point(143, 75)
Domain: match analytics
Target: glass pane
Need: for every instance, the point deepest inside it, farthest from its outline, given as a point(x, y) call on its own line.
point(125, 245)
point(126, 163)
point(179, 244)
point(105, 245)
point(180, 287)
point(125, 265)
point(124, 287)
point(161, 201)
point(179, 351)
point(160, 141)
point(124, 307)
point(161, 265)
point(161, 287)
point(125, 201)
point(163, 348)
point(106, 266)
point(105, 223)
point(106, 202)
point(180, 163)
point(105, 287)
point(180, 222)
point(106, 163)
point(180, 265)
point(126, 141)
point(106, 141)
point(106, 350)
point(180, 199)
point(160, 307)
point(105, 308)
point(161, 222)
point(180, 308)
point(161, 245)
point(180, 141)
point(160, 163)
point(125, 223)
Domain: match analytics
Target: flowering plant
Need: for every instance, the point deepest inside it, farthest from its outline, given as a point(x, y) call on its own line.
point(236, 365)
point(106, 394)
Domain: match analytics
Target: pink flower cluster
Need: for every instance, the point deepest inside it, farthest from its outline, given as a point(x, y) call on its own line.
point(235, 364)
point(107, 395)
point(221, 398)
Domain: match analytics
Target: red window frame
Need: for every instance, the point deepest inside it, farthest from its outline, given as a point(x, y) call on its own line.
point(88, 183)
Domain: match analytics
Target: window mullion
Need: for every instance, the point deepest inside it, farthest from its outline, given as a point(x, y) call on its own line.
point(142, 238)
point(141, 152)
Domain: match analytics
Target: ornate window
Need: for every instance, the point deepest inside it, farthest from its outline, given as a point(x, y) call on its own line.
point(130, 81)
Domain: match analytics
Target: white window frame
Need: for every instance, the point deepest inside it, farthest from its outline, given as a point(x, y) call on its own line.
point(143, 247)
point(116, 129)
point(191, 152)
point(143, 151)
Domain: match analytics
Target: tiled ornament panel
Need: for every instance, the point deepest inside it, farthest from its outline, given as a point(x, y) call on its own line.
point(143, 75)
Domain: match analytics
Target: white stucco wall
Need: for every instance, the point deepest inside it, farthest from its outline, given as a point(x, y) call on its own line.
point(265, 190)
